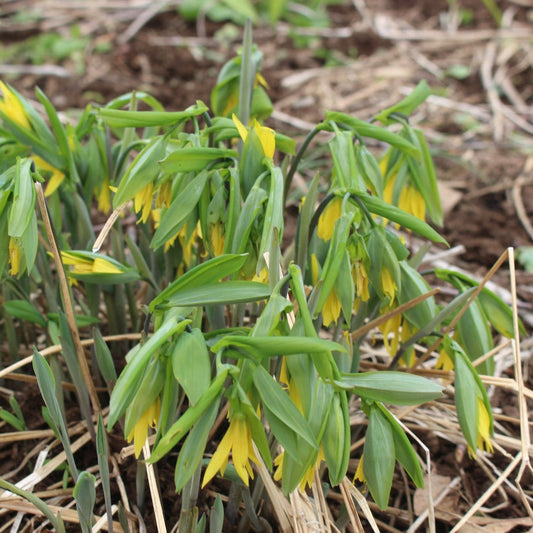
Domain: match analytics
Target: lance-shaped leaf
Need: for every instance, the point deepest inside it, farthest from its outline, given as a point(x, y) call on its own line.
point(395, 214)
point(399, 388)
point(417, 96)
point(24, 310)
point(179, 429)
point(206, 273)
point(85, 496)
point(175, 216)
point(142, 171)
point(193, 159)
point(117, 118)
point(262, 347)
point(23, 203)
point(496, 310)
point(405, 454)
point(225, 292)
point(130, 378)
point(379, 456)
point(193, 448)
point(145, 394)
point(365, 129)
point(194, 378)
point(286, 421)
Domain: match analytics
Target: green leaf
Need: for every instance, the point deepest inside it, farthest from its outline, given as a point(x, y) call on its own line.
point(175, 216)
point(379, 456)
point(194, 378)
point(399, 388)
point(141, 119)
point(11, 419)
point(179, 429)
point(416, 97)
point(23, 202)
point(194, 159)
point(209, 272)
point(225, 292)
point(130, 378)
point(366, 129)
point(56, 521)
point(496, 310)
point(143, 170)
point(145, 394)
point(286, 421)
point(336, 440)
point(85, 496)
point(395, 214)
point(405, 454)
point(414, 285)
point(193, 447)
point(272, 346)
point(24, 310)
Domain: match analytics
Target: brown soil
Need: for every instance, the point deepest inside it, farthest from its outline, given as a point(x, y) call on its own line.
point(357, 66)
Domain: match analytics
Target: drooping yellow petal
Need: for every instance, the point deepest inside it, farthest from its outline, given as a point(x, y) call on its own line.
point(143, 201)
point(148, 419)
point(164, 195)
point(327, 219)
point(444, 361)
point(56, 178)
point(217, 238)
point(101, 266)
point(12, 107)
point(359, 474)
point(219, 460)
point(361, 281)
point(241, 128)
point(14, 257)
point(332, 309)
point(483, 427)
point(103, 197)
point(267, 136)
point(388, 285)
point(412, 201)
point(82, 265)
point(315, 269)
point(391, 333)
point(240, 452)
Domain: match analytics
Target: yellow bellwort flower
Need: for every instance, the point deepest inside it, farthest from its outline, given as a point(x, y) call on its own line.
point(360, 278)
point(217, 238)
point(85, 265)
point(391, 333)
point(327, 219)
point(388, 285)
point(483, 427)
point(267, 136)
point(57, 176)
point(444, 361)
point(143, 201)
point(140, 431)
point(238, 442)
point(359, 474)
point(331, 309)
point(410, 200)
point(103, 197)
point(186, 243)
point(12, 107)
point(307, 479)
point(14, 257)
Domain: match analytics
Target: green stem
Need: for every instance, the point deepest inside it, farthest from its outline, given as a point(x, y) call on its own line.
point(296, 161)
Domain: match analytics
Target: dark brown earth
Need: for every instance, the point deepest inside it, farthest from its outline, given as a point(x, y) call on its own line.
point(351, 56)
